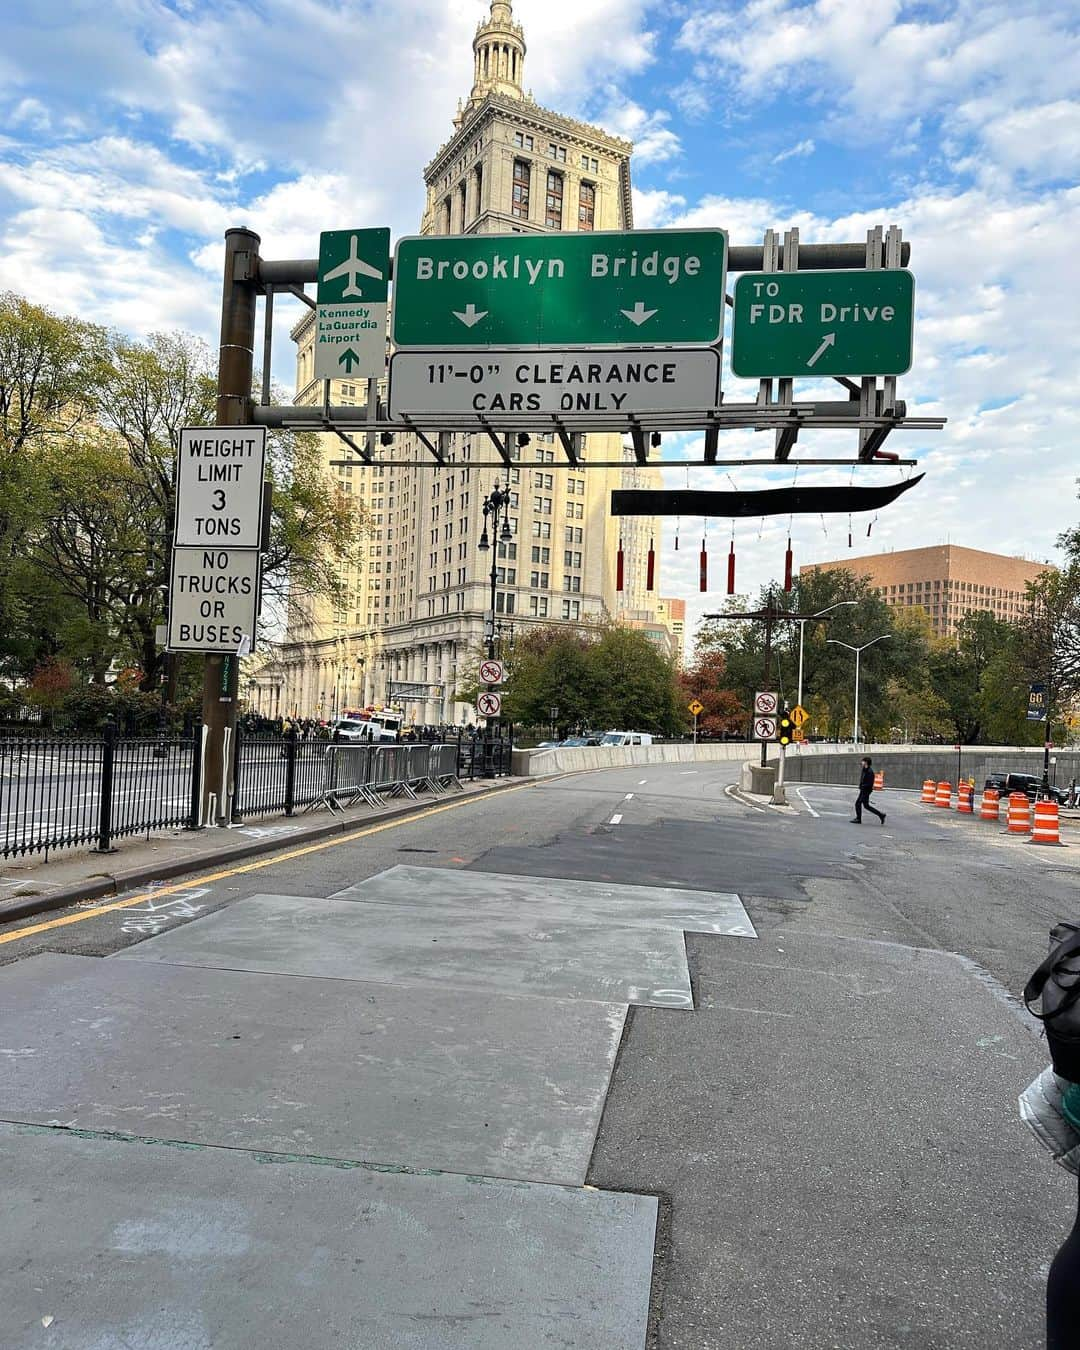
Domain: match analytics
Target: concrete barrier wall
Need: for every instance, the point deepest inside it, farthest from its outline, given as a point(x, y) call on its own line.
point(905, 766)
point(909, 767)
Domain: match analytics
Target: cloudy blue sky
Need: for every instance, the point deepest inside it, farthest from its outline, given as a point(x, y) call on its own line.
point(133, 132)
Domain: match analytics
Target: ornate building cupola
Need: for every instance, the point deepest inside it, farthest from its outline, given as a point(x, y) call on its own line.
point(499, 55)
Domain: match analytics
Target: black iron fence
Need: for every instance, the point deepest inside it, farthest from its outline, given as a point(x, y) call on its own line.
point(64, 792)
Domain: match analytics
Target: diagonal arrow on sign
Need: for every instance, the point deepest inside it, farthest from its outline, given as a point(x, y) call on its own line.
point(638, 314)
point(470, 316)
point(828, 341)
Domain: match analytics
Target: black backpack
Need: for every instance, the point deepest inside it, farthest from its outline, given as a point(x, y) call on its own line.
point(1057, 983)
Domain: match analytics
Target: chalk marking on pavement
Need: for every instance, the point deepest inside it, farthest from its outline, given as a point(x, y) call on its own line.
point(735, 1007)
point(629, 797)
point(256, 866)
point(615, 820)
point(799, 794)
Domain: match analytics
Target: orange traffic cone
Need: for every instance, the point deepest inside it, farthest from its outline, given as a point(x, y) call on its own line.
point(1019, 814)
point(1046, 829)
point(991, 805)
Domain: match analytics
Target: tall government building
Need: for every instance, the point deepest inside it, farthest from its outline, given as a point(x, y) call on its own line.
point(419, 597)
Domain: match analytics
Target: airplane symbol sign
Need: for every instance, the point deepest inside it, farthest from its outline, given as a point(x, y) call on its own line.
point(351, 313)
point(350, 269)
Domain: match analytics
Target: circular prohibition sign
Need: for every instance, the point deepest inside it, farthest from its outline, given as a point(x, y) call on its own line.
point(489, 705)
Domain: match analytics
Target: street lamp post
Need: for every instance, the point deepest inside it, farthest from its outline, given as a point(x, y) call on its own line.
point(802, 631)
point(835, 642)
point(496, 507)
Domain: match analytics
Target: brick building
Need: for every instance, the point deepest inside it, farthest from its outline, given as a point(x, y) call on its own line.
point(947, 581)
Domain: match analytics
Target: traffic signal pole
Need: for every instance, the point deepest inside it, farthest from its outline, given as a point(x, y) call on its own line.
point(221, 672)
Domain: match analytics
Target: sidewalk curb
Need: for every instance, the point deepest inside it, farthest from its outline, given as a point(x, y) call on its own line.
point(100, 888)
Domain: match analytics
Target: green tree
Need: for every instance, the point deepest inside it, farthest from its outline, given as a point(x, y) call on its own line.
point(551, 668)
point(636, 686)
point(51, 369)
point(707, 681)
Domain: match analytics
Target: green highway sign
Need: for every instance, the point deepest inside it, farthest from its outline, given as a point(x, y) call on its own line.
point(603, 289)
point(350, 314)
point(823, 323)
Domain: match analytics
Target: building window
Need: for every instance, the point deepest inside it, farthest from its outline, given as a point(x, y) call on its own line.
point(553, 213)
point(479, 177)
point(504, 602)
point(446, 216)
point(519, 205)
point(539, 580)
point(587, 207)
point(538, 605)
point(463, 196)
point(557, 152)
point(541, 555)
point(522, 141)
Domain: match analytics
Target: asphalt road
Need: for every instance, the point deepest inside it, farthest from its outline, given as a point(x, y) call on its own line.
point(832, 1131)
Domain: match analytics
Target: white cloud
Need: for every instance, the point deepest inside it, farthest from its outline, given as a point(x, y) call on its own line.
point(800, 150)
point(995, 348)
point(872, 69)
point(654, 141)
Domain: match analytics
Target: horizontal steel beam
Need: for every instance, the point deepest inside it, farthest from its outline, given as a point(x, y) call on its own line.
point(839, 413)
point(760, 463)
point(741, 258)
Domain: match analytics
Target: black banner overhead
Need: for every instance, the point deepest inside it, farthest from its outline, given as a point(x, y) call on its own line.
point(768, 502)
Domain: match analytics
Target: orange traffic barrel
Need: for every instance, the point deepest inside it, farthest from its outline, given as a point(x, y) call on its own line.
point(929, 791)
point(1045, 830)
point(965, 799)
point(1019, 814)
point(879, 780)
point(944, 795)
point(991, 805)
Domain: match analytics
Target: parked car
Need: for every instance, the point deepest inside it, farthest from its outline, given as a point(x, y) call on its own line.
point(1030, 784)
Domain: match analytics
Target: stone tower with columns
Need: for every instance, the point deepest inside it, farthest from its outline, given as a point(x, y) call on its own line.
point(417, 602)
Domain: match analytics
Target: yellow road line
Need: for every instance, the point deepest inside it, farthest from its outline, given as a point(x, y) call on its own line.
point(271, 861)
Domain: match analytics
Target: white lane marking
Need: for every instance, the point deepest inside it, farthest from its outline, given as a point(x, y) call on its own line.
point(799, 794)
point(643, 782)
point(629, 797)
point(615, 820)
point(687, 772)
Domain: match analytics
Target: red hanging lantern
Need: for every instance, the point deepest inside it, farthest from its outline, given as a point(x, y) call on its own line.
point(650, 570)
point(619, 567)
point(731, 569)
point(787, 567)
point(704, 564)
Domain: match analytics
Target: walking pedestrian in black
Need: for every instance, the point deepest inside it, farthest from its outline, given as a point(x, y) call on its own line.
point(866, 786)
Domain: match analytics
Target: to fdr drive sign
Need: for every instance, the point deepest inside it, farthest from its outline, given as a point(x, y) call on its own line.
point(561, 383)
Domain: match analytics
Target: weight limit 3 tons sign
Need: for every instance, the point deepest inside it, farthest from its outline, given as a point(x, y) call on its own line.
point(219, 486)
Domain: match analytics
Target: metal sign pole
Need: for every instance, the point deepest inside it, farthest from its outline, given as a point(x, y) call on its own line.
point(221, 673)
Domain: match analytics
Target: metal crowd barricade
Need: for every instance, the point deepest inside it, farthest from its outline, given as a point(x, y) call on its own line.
point(444, 767)
point(391, 771)
point(349, 776)
point(419, 769)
